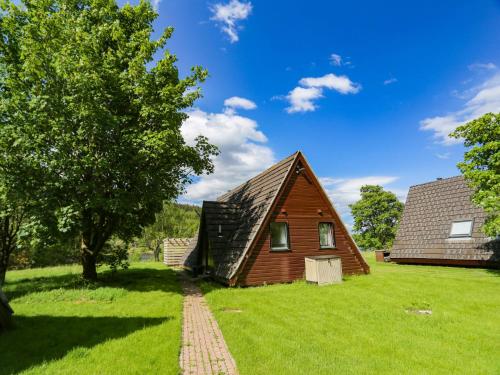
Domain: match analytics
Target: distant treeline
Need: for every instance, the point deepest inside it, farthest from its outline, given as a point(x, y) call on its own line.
point(174, 220)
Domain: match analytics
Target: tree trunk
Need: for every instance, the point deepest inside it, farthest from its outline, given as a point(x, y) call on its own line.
point(89, 267)
point(6, 248)
point(88, 262)
point(97, 230)
point(3, 271)
point(5, 312)
point(9, 226)
point(157, 252)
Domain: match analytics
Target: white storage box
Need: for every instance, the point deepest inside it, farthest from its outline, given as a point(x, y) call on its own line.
point(324, 269)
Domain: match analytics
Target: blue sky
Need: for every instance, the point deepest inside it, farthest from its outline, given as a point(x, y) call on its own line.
point(367, 90)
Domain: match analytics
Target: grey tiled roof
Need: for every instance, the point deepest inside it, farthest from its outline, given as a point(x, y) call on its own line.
point(424, 231)
point(239, 212)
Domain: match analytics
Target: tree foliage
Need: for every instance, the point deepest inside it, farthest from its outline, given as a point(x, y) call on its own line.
point(114, 254)
point(376, 216)
point(481, 165)
point(90, 115)
point(174, 221)
point(29, 253)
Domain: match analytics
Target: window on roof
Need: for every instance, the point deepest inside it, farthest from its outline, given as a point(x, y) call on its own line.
point(326, 239)
point(462, 228)
point(279, 236)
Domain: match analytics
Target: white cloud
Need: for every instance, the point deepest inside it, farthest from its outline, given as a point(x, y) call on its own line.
point(238, 102)
point(344, 191)
point(482, 66)
point(156, 4)
point(444, 156)
point(301, 98)
point(442, 126)
point(341, 84)
point(390, 80)
point(229, 14)
point(486, 98)
point(335, 59)
point(243, 152)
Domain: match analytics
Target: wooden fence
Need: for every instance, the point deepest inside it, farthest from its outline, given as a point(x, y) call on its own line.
point(174, 250)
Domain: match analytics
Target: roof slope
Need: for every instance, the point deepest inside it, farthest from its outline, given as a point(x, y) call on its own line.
point(425, 226)
point(240, 212)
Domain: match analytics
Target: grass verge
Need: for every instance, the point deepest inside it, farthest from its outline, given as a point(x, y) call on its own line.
point(127, 323)
point(397, 320)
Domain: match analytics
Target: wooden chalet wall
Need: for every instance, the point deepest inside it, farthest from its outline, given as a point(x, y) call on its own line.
point(303, 207)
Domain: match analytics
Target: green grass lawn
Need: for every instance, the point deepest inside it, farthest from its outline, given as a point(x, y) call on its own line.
point(366, 324)
point(128, 323)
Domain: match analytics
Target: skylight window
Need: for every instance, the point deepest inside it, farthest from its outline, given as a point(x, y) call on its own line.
point(461, 228)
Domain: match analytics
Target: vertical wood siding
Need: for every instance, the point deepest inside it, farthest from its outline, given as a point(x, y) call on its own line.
point(298, 206)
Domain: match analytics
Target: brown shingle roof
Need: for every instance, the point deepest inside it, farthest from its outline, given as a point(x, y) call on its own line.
point(240, 213)
point(426, 223)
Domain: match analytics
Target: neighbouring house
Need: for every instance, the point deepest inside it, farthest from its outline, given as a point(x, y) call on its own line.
point(440, 225)
point(262, 231)
point(174, 250)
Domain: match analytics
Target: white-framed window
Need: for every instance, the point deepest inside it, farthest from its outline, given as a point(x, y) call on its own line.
point(279, 236)
point(461, 228)
point(326, 238)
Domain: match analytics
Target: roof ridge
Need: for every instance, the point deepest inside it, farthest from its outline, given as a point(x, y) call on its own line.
point(264, 172)
point(267, 212)
point(436, 181)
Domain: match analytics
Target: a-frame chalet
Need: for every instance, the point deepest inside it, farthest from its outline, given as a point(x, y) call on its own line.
point(261, 231)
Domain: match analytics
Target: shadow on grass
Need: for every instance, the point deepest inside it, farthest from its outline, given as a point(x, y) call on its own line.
point(38, 339)
point(135, 279)
point(207, 286)
point(494, 248)
point(495, 272)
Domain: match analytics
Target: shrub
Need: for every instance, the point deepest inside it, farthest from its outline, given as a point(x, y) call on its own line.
point(114, 254)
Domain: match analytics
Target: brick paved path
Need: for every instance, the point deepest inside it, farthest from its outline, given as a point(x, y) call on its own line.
point(203, 351)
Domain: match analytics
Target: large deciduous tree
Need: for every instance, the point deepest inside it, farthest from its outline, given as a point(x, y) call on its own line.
point(481, 166)
point(16, 204)
point(93, 106)
point(376, 216)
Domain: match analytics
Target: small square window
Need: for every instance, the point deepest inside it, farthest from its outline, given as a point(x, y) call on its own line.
point(461, 228)
point(326, 239)
point(279, 236)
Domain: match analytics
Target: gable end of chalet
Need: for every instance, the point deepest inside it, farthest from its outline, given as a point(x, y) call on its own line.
point(232, 226)
point(327, 212)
